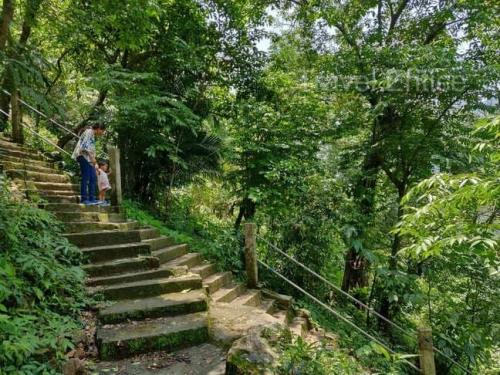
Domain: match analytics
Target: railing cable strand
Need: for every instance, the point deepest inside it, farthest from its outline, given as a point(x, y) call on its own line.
point(336, 313)
point(44, 115)
point(360, 302)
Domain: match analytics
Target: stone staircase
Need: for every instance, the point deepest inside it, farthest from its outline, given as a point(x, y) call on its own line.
point(160, 296)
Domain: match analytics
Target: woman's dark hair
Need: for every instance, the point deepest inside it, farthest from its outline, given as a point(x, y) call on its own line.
point(102, 162)
point(99, 126)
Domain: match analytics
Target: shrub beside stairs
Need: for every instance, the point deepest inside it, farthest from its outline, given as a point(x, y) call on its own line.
point(159, 292)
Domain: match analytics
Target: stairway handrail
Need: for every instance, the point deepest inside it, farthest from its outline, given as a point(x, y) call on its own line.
point(33, 131)
point(357, 301)
point(42, 114)
point(337, 314)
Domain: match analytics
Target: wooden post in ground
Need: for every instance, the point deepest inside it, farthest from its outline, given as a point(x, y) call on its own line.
point(16, 118)
point(427, 364)
point(251, 255)
point(115, 176)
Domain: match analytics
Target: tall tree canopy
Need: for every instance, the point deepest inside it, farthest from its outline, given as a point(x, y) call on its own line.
point(360, 135)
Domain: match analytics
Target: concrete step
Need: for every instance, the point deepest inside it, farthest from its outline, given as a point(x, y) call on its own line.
point(89, 226)
point(101, 238)
point(56, 186)
point(229, 292)
point(111, 252)
point(268, 306)
point(75, 207)
point(148, 288)
point(21, 154)
point(189, 260)
point(159, 273)
point(26, 166)
point(170, 253)
point(204, 270)
point(216, 281)
point(160, 242)
point(251, 297)
point(6, 143)
point(58, 198)
point(50, 193)
point(31, 162)
point(154, 307)
point(282, 316)
point(298, 326)
point(102, 217)
point(119, 266)
point(37, 176)
point(165, 334)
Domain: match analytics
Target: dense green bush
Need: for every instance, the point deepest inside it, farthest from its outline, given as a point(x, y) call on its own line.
point(218, 243)
point(41, 288)
point(297, 356)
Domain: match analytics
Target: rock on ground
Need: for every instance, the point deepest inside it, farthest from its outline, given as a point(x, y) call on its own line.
point(229, 322)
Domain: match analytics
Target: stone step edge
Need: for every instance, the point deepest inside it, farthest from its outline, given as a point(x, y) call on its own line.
point(171, 304)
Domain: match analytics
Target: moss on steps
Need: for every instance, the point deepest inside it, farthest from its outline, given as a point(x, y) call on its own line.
point(110, 252)
point(158, 273)
point(37, 176)
point(168, 334)
point(123, 265)
point(149, 288)
point(103, 217)
point(154, 307)
point(87, 226)
point(100, 238)
point(75, 207)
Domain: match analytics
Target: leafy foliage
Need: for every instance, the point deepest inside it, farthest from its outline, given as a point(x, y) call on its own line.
point(216, 243)
point(451, 226)
point(358, 115)
point(296, 356)
point(41, 288)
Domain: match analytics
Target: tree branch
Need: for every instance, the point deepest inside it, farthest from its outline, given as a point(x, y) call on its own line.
point(98, 103)
point(395, 16)
point(31, 10)
point(59, 71)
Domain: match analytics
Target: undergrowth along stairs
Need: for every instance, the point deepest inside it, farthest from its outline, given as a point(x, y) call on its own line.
point(158, 293)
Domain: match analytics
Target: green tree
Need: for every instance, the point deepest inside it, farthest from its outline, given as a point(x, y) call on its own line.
point(451, 231)
point(407, 62)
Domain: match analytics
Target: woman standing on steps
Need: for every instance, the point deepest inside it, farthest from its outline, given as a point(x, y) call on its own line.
point(85, 155)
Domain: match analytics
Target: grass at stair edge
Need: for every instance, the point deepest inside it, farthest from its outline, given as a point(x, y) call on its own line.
point(221, 246)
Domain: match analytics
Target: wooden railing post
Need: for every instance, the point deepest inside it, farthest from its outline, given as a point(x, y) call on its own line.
point(16, 118)
point(115, 175)
point(427, 364)
point(251, 255)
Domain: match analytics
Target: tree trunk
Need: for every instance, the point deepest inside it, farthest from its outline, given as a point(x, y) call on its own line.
point(247, 211)
point(356, 266)
point(5, 100)
point(16, 118)
point(7, 15)
point(31, 11)
point(7, 79)
point(385, 304)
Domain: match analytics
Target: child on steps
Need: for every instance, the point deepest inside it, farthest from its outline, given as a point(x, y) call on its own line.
point(103, 182)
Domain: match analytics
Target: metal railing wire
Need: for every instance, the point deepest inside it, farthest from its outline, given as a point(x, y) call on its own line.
point(336, 313)
point(34, 132)
point(43, 115)
point(354, 299)
point(411, 334)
